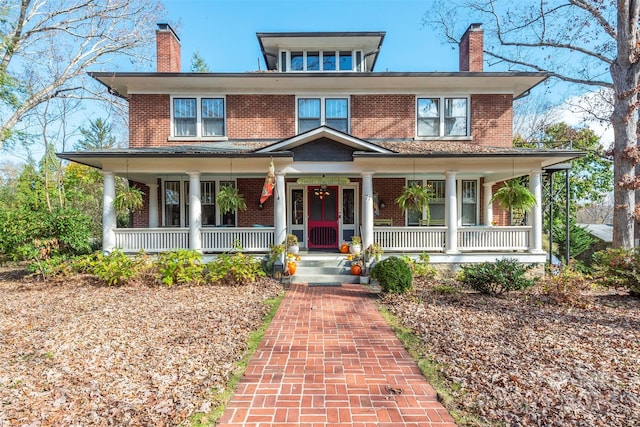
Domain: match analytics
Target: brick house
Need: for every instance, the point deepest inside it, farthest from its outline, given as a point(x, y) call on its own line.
point(344, 140)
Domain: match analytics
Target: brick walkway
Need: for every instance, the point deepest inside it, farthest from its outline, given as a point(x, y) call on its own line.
point(329, 359)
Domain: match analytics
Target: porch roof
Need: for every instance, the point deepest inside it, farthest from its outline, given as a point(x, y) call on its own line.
point(494, 164)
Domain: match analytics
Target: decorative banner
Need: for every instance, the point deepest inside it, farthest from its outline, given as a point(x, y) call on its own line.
point(323, 180)
point(269, 182)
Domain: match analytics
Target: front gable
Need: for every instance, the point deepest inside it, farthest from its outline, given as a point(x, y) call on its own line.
point(323, 144)
point(323, 149)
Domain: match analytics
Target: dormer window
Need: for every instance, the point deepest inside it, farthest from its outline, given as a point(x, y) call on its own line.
point(321, 60)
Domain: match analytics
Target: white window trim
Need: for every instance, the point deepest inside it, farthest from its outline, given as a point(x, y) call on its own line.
point(354, 64)
point(460, 201)
point(322, 99)
point(198, 136)
point(441, 135)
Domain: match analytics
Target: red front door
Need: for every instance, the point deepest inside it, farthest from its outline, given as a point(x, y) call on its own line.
point(323, 217)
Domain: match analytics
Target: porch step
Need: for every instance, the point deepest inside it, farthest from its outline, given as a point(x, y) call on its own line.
point(323, 268)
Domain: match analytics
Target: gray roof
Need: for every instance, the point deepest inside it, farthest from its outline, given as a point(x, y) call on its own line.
point(603, 232)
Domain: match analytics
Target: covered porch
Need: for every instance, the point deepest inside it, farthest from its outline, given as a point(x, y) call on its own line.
point(354, 174)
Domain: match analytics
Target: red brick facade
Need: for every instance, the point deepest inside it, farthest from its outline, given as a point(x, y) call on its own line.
point(273, 117)
point(388, 190)
point(251, 189)
point(261, 116)
point(383, 116)
point(149, 121)
point(492, 120)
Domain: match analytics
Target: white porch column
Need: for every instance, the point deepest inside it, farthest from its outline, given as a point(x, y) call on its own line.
point(488, 206)
point(195, 212)
point(451, 212)
point(280, 210)
point(153, 205)
point(367, 209)
point(535, 185)
point(108, 212)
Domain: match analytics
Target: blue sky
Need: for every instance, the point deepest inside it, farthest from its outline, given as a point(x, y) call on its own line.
point(223, 32)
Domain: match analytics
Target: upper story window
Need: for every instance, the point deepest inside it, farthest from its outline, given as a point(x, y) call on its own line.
point(440, 116)
point(314, 112)
point(198, 117)
point(321, 60)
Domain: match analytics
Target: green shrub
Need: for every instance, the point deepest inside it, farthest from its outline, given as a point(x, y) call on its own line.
point(618, 268)
point(421, 267)
point(234, 269)
point(180, 267)
point(22, 232)
point(495, 278)
point(114, 269)
point(56, 266)
point(394, 275)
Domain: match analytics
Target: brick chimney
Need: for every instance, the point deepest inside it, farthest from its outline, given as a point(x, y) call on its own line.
point(470, 47)
point(168, 49)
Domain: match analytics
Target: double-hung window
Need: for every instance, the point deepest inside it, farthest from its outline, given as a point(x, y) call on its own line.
point(176, 204)
point(198, 117)
point(185, 117)
point(466, 194)
point(314, 112)
point(442, 117)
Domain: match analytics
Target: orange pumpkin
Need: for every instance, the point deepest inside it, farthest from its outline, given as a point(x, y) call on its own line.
point(292, 268)
point(356, 269)
point(344, 248)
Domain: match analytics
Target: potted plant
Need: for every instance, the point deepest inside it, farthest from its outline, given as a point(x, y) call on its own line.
point(356, 245)
point(374, 250)
point(416, 198)
point(514, 197)
point(128, 199)
point(292, 244)
point(230, 200)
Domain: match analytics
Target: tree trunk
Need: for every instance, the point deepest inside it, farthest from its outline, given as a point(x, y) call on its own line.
point(625, 73)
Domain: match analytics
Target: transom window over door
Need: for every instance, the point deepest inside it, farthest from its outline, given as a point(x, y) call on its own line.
point(434, 121)
point(313, 112)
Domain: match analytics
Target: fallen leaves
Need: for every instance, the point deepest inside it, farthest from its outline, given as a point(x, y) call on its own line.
point(524, 362)
point(76, 354)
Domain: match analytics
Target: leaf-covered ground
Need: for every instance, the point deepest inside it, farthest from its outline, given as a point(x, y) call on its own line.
point(523, 361)
point(76, 354)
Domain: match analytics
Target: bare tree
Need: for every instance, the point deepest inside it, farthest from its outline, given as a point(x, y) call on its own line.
point(46, 47)
point(596, 212)
point(593, 43)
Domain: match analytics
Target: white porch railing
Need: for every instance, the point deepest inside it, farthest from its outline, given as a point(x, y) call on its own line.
point(258, 239)
point(410, 238)
point(470, 239)
point(494, 238)
point(252, 239)
point(220, 239)
point(151, 239)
